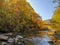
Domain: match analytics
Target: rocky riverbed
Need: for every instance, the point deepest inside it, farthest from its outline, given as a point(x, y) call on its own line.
point(42, 39)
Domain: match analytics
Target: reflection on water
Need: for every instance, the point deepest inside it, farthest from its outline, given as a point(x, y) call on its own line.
point(41, 41)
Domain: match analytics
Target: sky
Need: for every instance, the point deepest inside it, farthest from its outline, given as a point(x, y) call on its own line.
point(45, 8)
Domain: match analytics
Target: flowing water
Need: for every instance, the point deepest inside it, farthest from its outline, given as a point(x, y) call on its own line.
point(41, 41)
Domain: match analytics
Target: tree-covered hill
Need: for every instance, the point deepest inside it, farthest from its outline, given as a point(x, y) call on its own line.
point(18, 16)
point(56, 20)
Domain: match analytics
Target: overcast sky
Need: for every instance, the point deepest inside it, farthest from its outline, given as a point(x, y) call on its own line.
point(44, 8)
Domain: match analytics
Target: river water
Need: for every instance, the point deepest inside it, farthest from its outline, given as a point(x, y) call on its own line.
point(41, 41)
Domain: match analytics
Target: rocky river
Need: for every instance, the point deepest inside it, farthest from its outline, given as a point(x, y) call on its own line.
point(36, 40)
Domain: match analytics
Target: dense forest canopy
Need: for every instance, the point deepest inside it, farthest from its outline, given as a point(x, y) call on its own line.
point(18, 16)
point(56, 19)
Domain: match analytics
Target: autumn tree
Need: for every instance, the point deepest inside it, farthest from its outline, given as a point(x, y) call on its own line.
point(56, 18)
point(19, 16)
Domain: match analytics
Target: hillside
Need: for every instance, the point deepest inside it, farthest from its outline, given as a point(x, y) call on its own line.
point(18, 16)
point(56, 20)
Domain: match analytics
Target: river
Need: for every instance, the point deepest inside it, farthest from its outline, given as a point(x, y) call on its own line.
point(41, 41)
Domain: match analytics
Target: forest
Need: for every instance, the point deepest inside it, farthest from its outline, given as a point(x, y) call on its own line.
point(18, 16)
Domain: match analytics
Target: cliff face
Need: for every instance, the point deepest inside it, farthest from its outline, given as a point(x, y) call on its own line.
point(18, 15)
